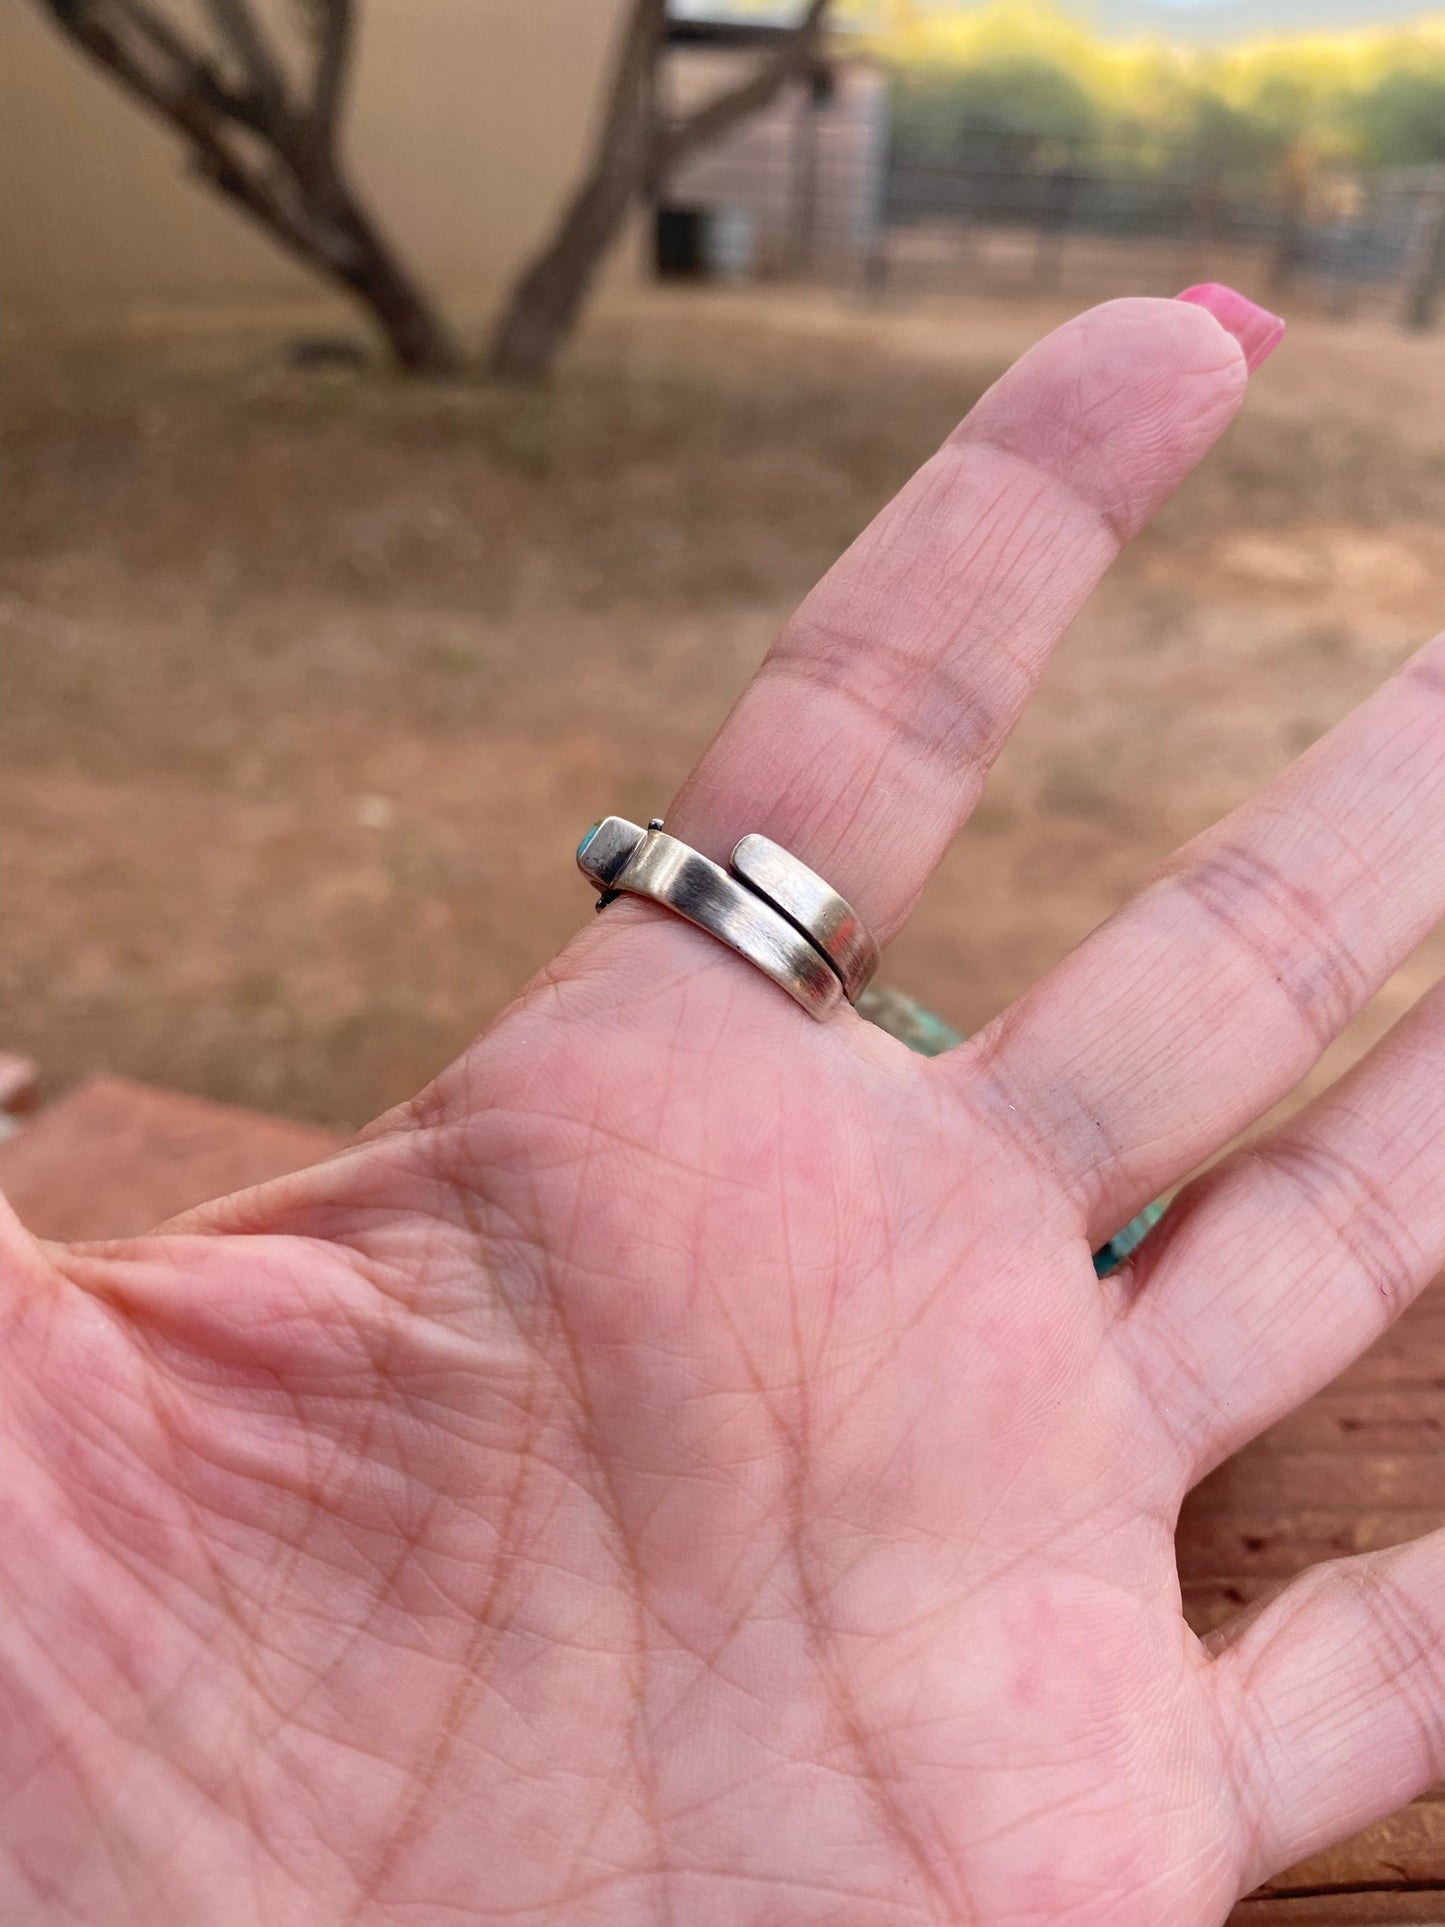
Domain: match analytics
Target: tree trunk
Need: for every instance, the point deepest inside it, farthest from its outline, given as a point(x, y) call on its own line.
point(325, 228)
point(544, 305)
point(635, 154)
point(414, 330)
point(294, 188)
point(419, 340)
point(544, 308)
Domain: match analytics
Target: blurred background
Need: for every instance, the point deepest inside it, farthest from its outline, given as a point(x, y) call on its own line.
point(417, 416)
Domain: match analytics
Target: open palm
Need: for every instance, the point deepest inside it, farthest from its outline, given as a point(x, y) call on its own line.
point(683, 1468)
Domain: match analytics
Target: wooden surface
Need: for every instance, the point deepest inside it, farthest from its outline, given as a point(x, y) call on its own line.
point(17, 1086)
point(1362, 1465)
point(1397, 1908)
point(114, 1158)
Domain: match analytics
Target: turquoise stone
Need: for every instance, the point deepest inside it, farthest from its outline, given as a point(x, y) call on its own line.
point(582, 846)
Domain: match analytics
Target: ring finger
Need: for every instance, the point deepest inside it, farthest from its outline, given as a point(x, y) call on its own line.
point(1288, 1260)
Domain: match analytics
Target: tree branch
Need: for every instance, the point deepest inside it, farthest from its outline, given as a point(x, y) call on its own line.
point(243, 35)
point(725, 110)
point(180, 86)
point(632, 155)
point(335, 41)
point(628, 121)
point(152, 27)
point(291, 188)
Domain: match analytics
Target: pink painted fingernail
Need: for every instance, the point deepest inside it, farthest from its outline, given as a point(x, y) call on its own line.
point(1256, 330)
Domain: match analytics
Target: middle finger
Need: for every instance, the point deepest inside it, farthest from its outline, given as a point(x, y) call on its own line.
point(862, 743)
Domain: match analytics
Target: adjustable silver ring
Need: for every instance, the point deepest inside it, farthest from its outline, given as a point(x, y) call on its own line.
point(772, 910)
point(828, 921)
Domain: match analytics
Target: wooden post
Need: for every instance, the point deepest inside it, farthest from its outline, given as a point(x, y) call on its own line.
point(1294, 188)
point(1351, 262)
point(1056, 217)
point(813, 98)
point(1422, 287)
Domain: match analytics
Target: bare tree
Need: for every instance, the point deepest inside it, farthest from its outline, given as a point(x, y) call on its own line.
point(636, 151)
point(262, 131)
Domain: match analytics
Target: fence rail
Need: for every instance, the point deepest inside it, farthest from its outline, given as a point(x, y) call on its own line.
point(820, 191)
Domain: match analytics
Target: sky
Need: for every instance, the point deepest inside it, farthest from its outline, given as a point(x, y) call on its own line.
point(1205, 20)
point(1200, 21)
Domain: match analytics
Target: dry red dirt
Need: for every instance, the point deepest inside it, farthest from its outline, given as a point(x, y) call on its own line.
point(309, 681)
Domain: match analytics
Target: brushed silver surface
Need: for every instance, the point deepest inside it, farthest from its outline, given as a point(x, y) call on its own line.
point(768, 906)
point(691, 885)
point(828, 921)
point(606, 848)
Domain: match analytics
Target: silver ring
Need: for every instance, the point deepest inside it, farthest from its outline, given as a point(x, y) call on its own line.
point(773, 910)
point(828, 921)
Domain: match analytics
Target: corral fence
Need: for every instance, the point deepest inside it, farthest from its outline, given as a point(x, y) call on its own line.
point(821, 188)
point(996, 215)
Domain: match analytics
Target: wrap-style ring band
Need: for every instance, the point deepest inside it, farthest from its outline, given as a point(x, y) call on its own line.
point(767, 906)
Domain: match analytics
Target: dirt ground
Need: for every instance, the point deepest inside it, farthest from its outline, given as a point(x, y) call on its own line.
point(310, 680)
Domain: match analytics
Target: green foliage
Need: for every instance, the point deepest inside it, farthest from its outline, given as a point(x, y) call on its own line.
point(1019, 102)
point(1401, 119)
point(1232, 141)
point(1024, 69)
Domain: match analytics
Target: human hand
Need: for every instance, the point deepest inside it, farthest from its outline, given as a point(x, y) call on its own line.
point(683, 1468)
